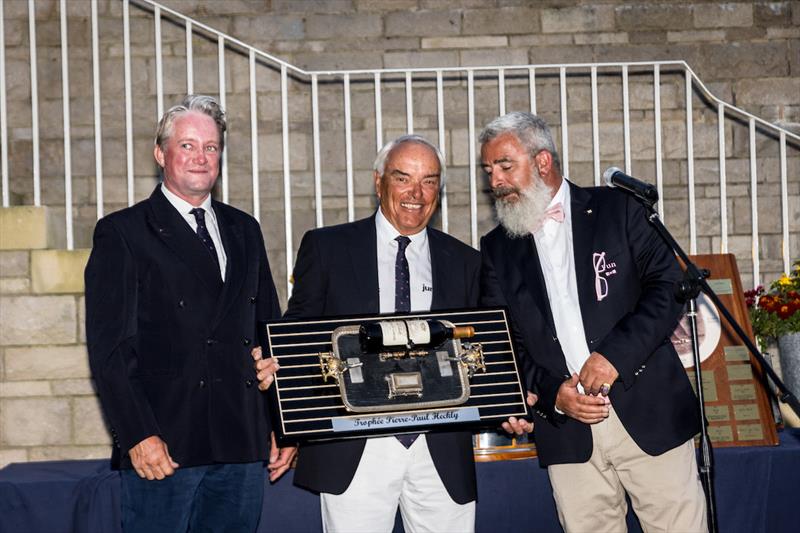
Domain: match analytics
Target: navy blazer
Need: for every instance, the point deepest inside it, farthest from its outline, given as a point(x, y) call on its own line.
point(169, 343)
point(630, 326)
point(336, 273)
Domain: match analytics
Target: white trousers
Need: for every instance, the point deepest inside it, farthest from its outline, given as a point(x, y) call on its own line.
point(390, 475)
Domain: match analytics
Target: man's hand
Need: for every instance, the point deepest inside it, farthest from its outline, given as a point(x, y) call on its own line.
point(582, 407)
point(280, 459)
point(151, 459)
point(596, 373)
point(265, 368)
point(520, 426)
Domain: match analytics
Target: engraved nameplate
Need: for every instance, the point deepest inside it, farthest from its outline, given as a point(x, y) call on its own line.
point(721, 286)
point(744, 391)
point(739, 372)
point(717, 413)
point(736, 353)
point(401, 420)
point(747, 411)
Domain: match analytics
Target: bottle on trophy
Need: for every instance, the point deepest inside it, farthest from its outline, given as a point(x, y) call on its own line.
point(385, 335)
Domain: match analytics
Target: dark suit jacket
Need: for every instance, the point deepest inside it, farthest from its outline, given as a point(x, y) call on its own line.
point(336, 273)
point(630, 326)
point(169, 343)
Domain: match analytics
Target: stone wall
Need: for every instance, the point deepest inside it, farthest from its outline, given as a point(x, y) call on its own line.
point(747, 53)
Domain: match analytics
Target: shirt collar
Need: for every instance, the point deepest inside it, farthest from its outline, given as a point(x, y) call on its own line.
point(561, 195)
point(387, 232)
point(182, 205)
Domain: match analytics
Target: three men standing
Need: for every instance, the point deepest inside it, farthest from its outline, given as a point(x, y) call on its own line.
point(175, 286)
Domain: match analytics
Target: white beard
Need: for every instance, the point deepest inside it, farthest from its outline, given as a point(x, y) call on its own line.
point(521, 217)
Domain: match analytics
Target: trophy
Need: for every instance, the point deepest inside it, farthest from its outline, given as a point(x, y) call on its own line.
point(343, 377)
point(402, 364)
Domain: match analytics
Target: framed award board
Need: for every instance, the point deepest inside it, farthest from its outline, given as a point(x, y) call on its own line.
point(309, 405)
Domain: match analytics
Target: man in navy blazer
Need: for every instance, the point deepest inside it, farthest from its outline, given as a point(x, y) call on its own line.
point(175, 286)
point(352, 269)
point(590, 288)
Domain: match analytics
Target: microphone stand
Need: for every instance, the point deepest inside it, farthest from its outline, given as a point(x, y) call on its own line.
point(694, 282)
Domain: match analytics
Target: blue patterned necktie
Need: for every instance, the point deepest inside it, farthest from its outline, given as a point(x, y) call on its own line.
point(202, 232)
point(402, 304)
point(402, 290)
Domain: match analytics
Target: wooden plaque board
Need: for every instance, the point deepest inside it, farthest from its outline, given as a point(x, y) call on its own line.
point(736, 398)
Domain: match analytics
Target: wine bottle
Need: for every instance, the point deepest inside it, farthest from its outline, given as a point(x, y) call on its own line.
point(376, 337)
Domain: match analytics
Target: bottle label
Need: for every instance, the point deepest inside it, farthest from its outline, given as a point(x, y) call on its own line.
point(401, 332)
point(419, 332)
point(394, 333)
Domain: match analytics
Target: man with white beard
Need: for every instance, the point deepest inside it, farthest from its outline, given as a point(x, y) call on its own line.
point(589, 287)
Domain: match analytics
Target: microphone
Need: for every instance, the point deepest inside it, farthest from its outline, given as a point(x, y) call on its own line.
point(614, 177)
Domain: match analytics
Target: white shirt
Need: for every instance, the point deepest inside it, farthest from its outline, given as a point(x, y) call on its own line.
point(185, 208)
point(418, 255)
point(557, 258)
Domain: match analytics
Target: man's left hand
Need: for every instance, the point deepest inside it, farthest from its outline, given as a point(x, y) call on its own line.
point(265, 368)
point(597, 375)
point(520, 426)
point(280, 459)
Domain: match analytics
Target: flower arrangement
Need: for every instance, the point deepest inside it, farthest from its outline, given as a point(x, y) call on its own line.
point(776, 311)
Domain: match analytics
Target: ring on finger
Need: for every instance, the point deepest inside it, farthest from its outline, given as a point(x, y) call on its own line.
point(605, 388)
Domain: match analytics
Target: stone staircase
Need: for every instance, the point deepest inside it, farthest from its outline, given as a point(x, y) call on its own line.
point(48, 406)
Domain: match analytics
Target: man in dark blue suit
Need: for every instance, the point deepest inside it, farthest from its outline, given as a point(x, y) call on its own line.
point(175, 286)
point(391, 261)
point(590, 288)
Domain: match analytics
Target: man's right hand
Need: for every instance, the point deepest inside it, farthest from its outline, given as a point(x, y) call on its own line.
point(584, 408)
point(151, 459)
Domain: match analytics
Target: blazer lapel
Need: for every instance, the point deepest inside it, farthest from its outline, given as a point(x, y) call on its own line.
point(363, 250)
point(173, 231)
point(525, 272)
point(444, 283)
point(584, 225)
point(235, 270)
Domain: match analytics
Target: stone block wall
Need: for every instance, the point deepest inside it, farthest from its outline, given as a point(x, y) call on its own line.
point(48, 406)
point(747, 54)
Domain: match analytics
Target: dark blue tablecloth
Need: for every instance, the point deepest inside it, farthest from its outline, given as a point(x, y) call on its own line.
point(757, 491)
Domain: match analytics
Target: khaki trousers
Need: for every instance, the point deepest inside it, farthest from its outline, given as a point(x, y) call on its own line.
point(665, 490)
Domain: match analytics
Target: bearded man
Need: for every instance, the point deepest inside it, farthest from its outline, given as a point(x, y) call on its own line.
point(589, 286)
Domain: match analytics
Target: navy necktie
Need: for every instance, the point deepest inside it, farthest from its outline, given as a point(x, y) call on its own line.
point(402, 304)
point(402, 290)
point(202, 232)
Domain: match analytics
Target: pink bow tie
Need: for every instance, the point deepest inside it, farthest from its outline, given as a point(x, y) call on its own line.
point(555, 212)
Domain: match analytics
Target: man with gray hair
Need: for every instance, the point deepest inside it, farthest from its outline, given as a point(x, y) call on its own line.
point(389, 262)
point(175, 286)
point(590, 289)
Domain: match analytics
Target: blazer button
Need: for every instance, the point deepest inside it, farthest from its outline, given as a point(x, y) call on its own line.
point(181, 304)
point(248, 383)
point(202, 384)
point(210, 341)
point(246, 341)
point(252, 299)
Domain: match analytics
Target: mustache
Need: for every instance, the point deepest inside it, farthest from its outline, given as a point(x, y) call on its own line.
point(501, 192)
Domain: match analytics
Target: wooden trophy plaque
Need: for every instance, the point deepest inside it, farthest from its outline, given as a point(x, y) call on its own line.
point(734, 385)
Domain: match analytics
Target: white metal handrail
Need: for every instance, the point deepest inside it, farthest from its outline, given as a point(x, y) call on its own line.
point(406, 79)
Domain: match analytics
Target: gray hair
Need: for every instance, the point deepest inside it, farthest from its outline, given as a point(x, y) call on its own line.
point(531, 130)
point(383, 155)
point(207, 105)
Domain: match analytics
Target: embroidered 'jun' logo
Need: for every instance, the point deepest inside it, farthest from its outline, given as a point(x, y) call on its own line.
point(602, 270)
point(425, 288)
